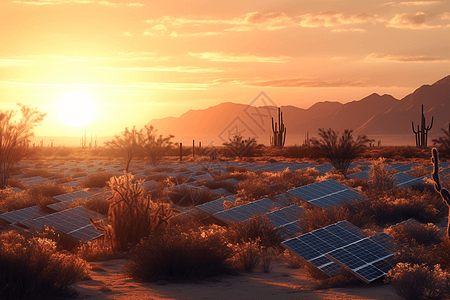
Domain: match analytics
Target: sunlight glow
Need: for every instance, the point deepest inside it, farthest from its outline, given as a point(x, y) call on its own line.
point(76, 108)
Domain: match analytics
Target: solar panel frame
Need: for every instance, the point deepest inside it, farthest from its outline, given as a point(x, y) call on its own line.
point(23, 214)
point(72, 196)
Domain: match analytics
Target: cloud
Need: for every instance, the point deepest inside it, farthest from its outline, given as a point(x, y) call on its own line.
point(205, 33)
point(349, 30)
point(305, 82)
point(136, 4)
point(137, 85)
point(417, 21)
point(332, 19)
point(16, 62)
point(219, 56)
point(413, 3)
point(181, 69)
point(377, 57)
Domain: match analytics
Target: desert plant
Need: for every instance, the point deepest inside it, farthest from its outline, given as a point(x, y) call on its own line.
point(417, 281)
point(381, 178)
point(181, 253)
point(279, 132)
point(98, 180)
point(340, 151)
point(247, 255)
point(154, 147)
point(33, 269)
point(443, 142)
point(132, 214)
point(15, 137)
point(422, 131)
point(412, 234)
point(445, 194)
point(237, 146)
point(125, 145)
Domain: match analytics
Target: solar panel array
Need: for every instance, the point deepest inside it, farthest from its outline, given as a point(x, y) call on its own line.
point(344, 245)
point(361, 175)
point(325, 193)
point(23, 214)
point(285, 220)
point(245, 212)
point(74, 222)
point(67, 199)
point(215, 206)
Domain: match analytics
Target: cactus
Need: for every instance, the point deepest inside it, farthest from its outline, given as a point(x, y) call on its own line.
point(422, 132)
point(445, 194)
point(307, 141)
point(279, 131)
point(83, 140)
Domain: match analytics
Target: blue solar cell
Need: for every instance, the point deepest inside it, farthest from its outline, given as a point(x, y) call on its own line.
point(345, 257)
point(369, 273)
point(315, 242)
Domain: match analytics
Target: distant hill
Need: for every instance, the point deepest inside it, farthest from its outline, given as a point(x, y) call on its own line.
point(375, 115)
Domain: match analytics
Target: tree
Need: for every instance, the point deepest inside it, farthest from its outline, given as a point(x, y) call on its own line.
point(125, 145)
point(239, 147)
point(340, 151)
point(14, 138)
point(154, 147)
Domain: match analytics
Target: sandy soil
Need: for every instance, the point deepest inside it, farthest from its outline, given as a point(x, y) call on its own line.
point(282, 282)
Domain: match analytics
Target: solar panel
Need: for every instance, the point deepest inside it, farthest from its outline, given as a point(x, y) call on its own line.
point(23, 214)
point(285, 199)
point(284, 215)
point(216, 205)
point(149, 185)
point(365, 258)
point(73, 196)
point(324, 168)
point(361, 175)
point(246, 211)
point(290, 229)
point(325, 193)
point(403, 168)
point(222, 192)
point(73, 221)
point(313, 246)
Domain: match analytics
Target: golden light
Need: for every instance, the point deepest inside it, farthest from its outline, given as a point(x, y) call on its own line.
point(76, 108)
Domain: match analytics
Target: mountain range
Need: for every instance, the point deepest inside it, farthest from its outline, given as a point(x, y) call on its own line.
point(375, 116)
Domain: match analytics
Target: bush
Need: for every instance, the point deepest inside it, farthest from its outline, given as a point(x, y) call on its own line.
point(416, 281)
point(247, 255)
point(413, 234)
point(191, 196)
point(98, 180)
point(33, 269)
point(380, 178)
point(181, 253)
point(341, 152)
point(257, 228)
point(132, 214)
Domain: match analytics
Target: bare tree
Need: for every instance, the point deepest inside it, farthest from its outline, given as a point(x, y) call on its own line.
point(341, 151)
point(239, 147)
point(125, 145)
point(154, 147)
point(14, 138)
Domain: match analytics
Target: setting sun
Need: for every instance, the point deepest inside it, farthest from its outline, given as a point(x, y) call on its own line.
point(76, 108)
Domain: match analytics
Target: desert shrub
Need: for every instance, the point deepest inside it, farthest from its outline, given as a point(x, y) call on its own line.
point(380, 178)
point(98, 180)
point(12, 201)
point(62, 240)
point(313, 219)
point(97, 204)
point(132, 214)
point(189, 196)
point(247, 255)
point(292, 260)
point(416, 281)
point(237, 146)
point(340, 151)
point(48, 190)
point(236, 169)
point(157, 177)
point(418, 171)
point(33, 269)
point(38, 172)
point(16, 182)
point(412, 234)
point(97, 250)
point(257, 228)
point(443, 142)
point(181, 253)
point(154, 147)
point(216, 184)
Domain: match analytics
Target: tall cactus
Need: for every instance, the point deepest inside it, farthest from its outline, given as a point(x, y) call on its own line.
point(445, 194)
point(279, 131)
point(83, 139)
point(422, 132)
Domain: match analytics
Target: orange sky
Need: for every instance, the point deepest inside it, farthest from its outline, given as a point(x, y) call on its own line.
point(140, 60)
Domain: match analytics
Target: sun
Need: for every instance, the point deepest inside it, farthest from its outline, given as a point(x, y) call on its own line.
point(76, 108)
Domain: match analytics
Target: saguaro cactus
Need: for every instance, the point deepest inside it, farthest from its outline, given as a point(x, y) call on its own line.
point(445, 194)
point(422, 132)
point(279, 131)
point(83, 139)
